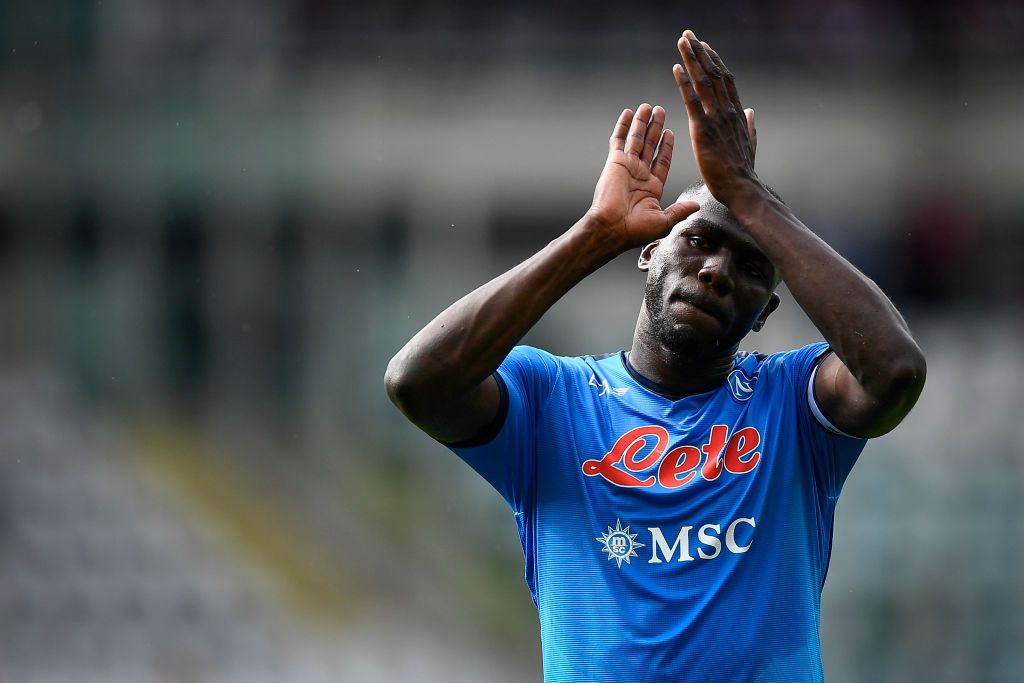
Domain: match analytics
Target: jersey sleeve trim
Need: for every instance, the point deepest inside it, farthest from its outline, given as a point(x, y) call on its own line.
point(488, 433)
point(812, 402)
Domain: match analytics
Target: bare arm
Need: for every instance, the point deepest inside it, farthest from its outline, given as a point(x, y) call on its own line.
point(878, 371)
point(442, 378)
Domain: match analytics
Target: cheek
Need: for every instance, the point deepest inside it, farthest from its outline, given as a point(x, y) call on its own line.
point(678, 267)
point(753, 306)
point(660, 274)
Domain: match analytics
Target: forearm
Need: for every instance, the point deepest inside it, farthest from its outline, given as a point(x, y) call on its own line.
point(440, 379)
point(856, 318)
point(468, 341)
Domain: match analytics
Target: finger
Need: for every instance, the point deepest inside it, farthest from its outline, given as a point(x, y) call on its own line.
point(678, 211)
point(638, 129)
point(663, 159)
point(728, 80)
point(691, 100)
point(751, 129)
point(618, 139)
point(732, 97)
point(713, 73)
point(653, 135)
point(702, 84)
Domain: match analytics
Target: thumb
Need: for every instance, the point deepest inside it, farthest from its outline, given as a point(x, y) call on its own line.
point(678, 211)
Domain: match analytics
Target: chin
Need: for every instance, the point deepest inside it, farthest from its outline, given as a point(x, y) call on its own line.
point(686, 339)
point(691, 339)
point(685, 329)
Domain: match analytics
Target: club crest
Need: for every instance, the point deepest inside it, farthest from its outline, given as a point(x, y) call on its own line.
point(741, 387)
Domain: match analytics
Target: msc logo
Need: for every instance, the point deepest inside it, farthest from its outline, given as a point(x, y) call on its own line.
point(619, 543)
point(734, 538)
point(740, 386)
point(709, 541)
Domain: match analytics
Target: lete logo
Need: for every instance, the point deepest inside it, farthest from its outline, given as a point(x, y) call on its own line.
point(641, 449)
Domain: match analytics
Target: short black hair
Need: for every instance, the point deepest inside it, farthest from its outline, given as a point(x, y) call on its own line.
point(694, 189)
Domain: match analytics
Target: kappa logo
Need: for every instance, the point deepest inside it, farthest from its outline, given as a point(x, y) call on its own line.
point(740, 386)
point(606, 388)
point(620, 545)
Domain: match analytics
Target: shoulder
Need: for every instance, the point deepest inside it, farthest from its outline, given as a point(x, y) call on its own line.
point(796, 370)
point(795, 365)
point(541, 369)
point(531, 365)
point(531, 356)
point(525, 358)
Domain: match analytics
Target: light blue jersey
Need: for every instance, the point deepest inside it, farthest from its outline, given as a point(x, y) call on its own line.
point(669, 539)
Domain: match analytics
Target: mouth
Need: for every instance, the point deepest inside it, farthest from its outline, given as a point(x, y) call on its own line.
point(704, 306)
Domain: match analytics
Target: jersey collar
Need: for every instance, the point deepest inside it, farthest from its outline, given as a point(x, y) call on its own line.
point(661, 389)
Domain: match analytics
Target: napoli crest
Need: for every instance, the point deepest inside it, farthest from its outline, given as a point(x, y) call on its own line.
point(741, 386)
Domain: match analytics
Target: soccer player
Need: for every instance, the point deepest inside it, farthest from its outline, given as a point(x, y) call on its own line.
point(675, 502)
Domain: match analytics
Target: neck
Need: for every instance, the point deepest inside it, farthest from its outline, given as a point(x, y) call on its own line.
point(683, 372)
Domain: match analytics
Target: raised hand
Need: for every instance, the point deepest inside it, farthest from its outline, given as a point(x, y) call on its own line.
point(627, 201)
point(721, 131)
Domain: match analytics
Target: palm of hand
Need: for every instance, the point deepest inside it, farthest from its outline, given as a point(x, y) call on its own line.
point(628, 197)
point(627, 201)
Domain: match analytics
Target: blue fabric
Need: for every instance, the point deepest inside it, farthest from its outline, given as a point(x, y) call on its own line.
point(670, 540)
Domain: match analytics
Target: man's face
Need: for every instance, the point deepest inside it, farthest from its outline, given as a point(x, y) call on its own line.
point(707, 283)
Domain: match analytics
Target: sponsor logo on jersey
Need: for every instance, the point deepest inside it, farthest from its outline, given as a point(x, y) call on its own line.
point(741, 387)
point(712, 540)
point(606, 389)
point(641, 457)
point(619, 543)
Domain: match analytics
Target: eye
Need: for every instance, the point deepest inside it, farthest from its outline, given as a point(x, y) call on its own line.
point(756, 272)
point(697, 241)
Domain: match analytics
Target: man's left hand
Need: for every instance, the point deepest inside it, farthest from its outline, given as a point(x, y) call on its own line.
point(721, 131)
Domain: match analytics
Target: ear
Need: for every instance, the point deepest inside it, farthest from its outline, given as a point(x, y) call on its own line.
point(772, 304)
point(644, 262)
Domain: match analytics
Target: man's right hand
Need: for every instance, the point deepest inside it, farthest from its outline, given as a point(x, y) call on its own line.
point(627, 201)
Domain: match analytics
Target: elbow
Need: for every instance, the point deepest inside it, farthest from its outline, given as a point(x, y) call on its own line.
point(396, 383)
point(405, 388)
point(913, 370)
point(890, 392)
point(905, 379)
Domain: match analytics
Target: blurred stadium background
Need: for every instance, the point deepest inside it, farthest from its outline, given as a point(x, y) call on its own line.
point(218, 221)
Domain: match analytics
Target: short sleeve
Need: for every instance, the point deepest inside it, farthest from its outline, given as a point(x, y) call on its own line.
point(834, 451)
point(505, 452)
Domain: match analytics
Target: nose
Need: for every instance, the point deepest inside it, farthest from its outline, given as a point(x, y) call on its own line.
point(717, 273)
